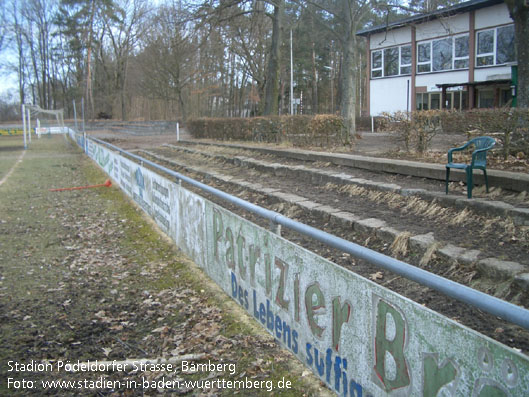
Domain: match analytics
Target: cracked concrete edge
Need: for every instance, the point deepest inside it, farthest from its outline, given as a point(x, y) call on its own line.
point(520, 216)
point(488, 267)
point(503, 179)
point(498, 269)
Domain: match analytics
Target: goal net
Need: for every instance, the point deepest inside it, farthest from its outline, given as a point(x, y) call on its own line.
point(45, 121)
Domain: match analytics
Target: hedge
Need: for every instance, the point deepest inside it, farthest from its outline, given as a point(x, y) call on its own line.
point(322, 130)
point(510, 126)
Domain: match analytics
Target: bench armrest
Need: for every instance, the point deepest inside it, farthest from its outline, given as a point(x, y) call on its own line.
point(456, 149)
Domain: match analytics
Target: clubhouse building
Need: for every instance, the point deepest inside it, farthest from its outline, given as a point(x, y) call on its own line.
point(461, 57)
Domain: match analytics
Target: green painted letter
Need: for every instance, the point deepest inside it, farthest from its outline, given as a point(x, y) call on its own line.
point(255, 253)
point(217, 230)
point(280, 295)
point(230, 252)
point(240, 256)
point(395, 347)
point(435, 377)
point(313, 305)
point(340, 315)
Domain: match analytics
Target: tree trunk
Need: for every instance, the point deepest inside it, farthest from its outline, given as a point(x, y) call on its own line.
point(520, 14)
point(348, 89)
point(271, 105)
point(20, 53)
point(314, 81)
point(183, 113)
point(88, 94)
point(314, 66)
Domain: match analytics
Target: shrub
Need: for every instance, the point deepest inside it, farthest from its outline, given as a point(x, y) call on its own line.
point(510, 126)
point(415, 129)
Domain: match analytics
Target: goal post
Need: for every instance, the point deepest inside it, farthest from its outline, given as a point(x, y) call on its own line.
point(46, 121)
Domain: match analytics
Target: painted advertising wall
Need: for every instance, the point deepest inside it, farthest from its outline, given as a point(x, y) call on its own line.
point(361, 339)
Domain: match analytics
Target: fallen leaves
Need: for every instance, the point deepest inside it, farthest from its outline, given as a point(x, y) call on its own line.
point(376, 276)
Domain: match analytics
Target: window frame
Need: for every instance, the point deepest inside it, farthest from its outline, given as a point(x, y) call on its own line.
point(454, 58)
point(382, 67)
point(429, 62)
point(486, 54)
point(494, 52)
point(404, 65)
point(425, 98)
point(386, 66)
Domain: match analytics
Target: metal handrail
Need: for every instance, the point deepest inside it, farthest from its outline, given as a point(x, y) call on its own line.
point(490, 304)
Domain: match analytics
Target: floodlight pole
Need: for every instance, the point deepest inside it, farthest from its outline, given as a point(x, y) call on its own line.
point(24, 124)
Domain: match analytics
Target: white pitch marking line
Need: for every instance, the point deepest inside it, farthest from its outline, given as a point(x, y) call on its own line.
point(12, 168)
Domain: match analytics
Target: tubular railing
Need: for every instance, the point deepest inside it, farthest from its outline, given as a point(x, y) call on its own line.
point(487, 303)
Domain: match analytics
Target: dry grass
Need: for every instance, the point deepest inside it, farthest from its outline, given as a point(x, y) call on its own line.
point(400, 244)
point(435, 212)
point(429, 254)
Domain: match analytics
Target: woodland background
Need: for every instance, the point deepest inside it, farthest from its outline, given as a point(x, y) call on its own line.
point(167, 60)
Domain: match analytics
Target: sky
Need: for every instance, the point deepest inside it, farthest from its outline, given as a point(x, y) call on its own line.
point(8, 78)
point(8, 83)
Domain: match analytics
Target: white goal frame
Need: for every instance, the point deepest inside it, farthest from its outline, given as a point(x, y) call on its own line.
point(28, 109)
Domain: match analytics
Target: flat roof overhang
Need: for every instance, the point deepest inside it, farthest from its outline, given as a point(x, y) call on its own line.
point(475, 83)
point(421, 18)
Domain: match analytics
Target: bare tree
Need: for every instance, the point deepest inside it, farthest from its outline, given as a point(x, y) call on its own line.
point(343, 18)
point(3, 24)
point(18, 32)
point(124, 32)
point(169, 57)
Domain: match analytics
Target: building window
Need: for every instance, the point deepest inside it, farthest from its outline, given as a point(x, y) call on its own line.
point(495, 46)
point(505, 45)
point(459, 101)
point(485, 98)
point(405, 59)
point(391, 61)
point(443, 54)
point(435, 100)
point(485, 48)
point(456, 100)
point(376, 64)
point(461, 52)
point(421, 101)
point(424, 61)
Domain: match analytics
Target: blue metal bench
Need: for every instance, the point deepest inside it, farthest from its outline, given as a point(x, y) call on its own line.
point(479, 161)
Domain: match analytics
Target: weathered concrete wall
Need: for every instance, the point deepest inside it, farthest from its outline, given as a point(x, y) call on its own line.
point(360, 338)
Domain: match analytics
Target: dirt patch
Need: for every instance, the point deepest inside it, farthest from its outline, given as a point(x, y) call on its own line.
point(84, 276)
